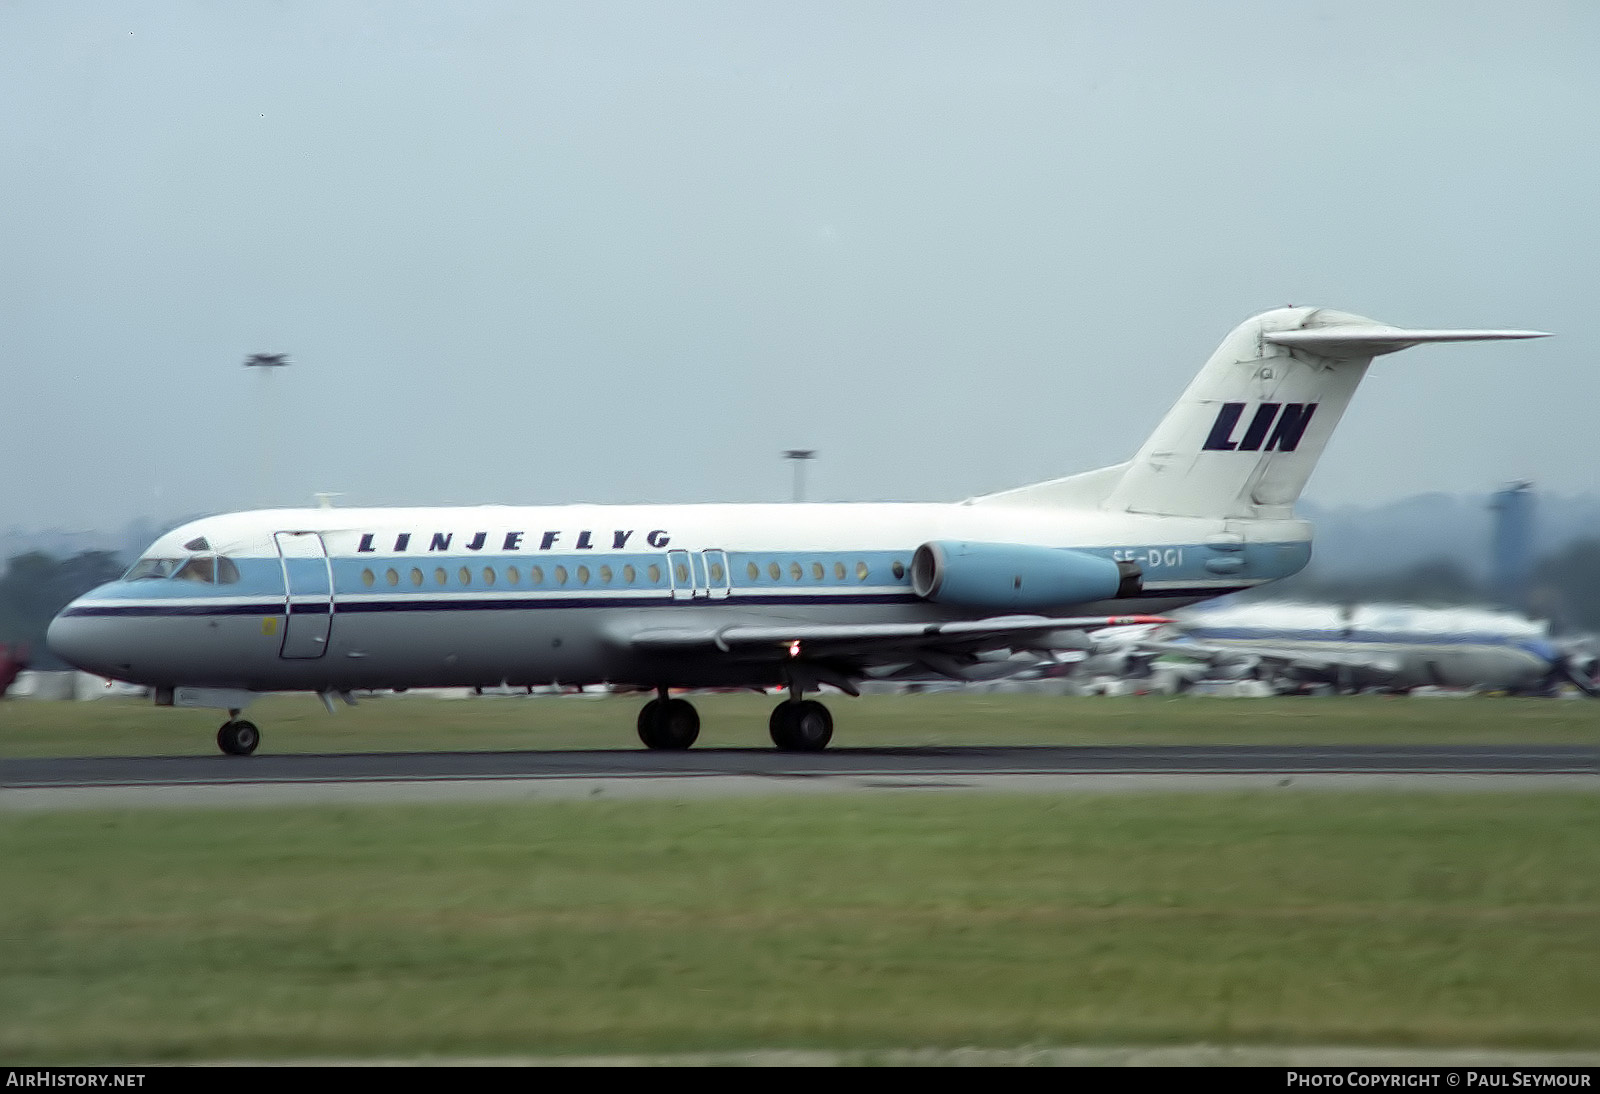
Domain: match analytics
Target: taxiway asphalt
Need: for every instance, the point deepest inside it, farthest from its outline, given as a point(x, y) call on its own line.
point(414, 776)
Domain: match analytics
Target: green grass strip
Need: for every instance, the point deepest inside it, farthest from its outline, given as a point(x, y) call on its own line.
point(114, 727)
point(952, 919)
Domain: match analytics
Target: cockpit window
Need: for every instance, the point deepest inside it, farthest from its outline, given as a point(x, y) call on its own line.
point(208, 569)
point(199, 568)
point(152, 567)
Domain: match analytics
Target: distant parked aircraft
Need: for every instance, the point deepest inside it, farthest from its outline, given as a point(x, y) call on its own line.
point(1392, 647)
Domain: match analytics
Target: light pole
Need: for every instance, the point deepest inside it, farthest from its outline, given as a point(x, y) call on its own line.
point(266, 364)
point(799, 456)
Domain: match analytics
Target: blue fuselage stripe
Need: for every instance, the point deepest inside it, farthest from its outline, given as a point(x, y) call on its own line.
point(351, 606)
point(479, 604)
point(437, 582)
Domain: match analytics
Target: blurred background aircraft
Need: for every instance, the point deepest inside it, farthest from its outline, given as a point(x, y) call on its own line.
point(1391, 647)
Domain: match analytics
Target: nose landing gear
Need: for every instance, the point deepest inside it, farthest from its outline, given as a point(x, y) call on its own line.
point(238, 737)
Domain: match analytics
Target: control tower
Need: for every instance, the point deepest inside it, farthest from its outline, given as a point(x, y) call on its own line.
point(1511, 545)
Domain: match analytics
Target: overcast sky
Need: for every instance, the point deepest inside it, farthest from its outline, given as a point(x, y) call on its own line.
point(550, 252)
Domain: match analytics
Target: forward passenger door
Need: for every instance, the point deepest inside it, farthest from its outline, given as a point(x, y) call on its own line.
point(307, 594)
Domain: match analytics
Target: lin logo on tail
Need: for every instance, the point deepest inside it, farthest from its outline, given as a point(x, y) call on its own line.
point(1279, 425)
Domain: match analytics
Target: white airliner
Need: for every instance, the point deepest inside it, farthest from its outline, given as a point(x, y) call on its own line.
point(661, 597)
point(1387, 646)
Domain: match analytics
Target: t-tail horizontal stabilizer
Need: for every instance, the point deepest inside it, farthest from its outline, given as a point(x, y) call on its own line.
point(1341, 342)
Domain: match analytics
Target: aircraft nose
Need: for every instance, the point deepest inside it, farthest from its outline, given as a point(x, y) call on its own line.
point(78, 639)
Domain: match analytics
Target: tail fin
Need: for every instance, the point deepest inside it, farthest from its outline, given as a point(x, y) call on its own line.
point(1245, 435)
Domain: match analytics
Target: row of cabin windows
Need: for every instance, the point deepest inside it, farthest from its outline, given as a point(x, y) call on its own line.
point(819, 572)
point(629, 574)
point(513, 576)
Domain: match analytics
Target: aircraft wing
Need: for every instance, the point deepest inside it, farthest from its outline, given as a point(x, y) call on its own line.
point(843, 653)
point(797, 639)
point(1284, 658)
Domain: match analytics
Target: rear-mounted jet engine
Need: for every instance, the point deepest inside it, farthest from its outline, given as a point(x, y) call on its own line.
point(1017, 577)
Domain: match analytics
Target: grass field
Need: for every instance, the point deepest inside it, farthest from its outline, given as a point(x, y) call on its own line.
point(897, 920)
point(413, 723)
point(944, 920)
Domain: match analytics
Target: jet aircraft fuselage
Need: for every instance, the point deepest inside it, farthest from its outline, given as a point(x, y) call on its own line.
point(344, 599)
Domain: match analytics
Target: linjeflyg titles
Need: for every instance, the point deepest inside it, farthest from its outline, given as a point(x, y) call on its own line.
point(618, 539)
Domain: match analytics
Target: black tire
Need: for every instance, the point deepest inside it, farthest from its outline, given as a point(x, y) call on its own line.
point(647, 723)
point(805, 726)
point(238, 738)
point(671, 726)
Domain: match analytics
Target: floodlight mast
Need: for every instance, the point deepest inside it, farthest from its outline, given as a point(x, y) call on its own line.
point(266, 363)
point(799, 456)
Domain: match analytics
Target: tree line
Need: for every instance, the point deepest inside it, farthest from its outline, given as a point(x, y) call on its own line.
point(36, 586)
point(1564, 587)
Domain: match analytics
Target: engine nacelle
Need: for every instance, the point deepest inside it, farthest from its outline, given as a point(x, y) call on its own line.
point(1016, 576)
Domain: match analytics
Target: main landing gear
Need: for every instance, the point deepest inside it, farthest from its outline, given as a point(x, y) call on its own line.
point(669, 724)
point(796, 725)
point(800, 725)
point(238, 737)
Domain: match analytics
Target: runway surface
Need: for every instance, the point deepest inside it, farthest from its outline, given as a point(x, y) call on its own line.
point(770, 763)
